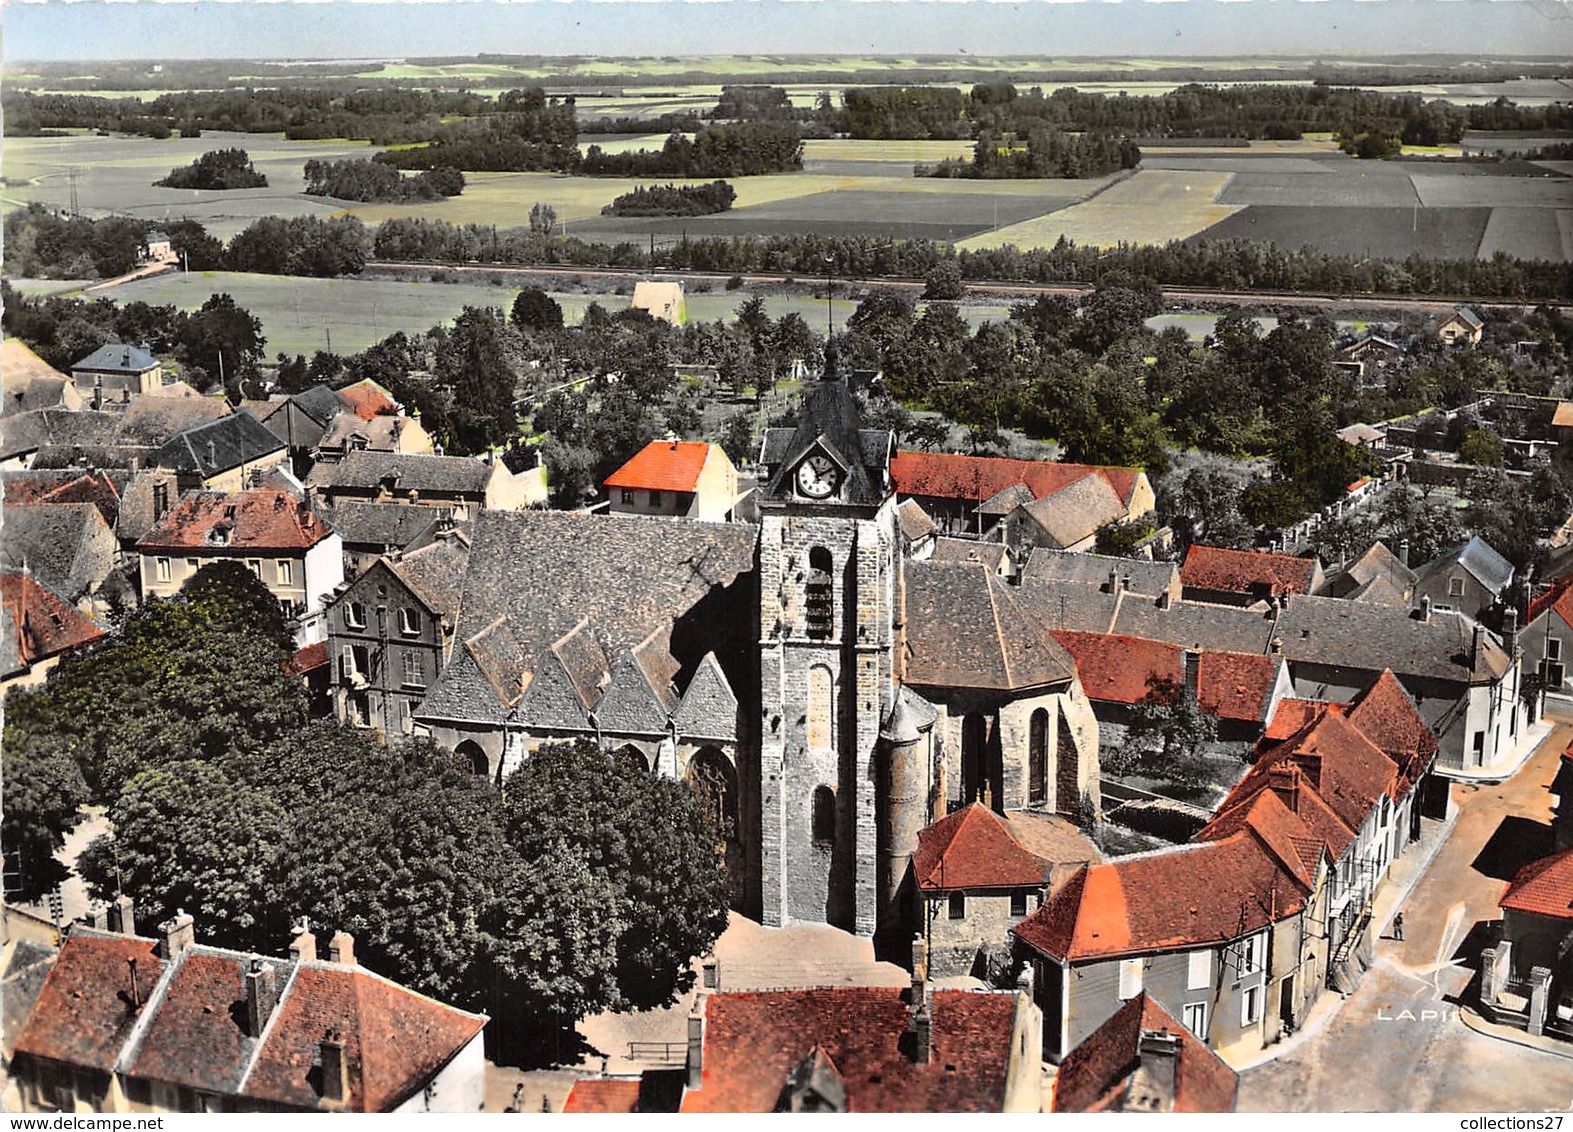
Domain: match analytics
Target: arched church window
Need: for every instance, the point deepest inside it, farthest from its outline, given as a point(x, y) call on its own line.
point(1038, 758)
point(821, 706)
point(824, 815)
point(819, 596)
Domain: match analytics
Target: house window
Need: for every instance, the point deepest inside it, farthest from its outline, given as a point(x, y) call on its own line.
point(406, 716)
point(355, 704)
point(1455, 587)
point(1130, 978)
point(1018, 903)
point(819, 596)
point(410, 622)
point(414, 670)
point(255, 566)
point(352, 662)
point(656, 499)
point(1251, 1006)
point(1194, 1015)
point(824, 816)
point(1553, 648)
point(630, 497)
point(286, 570)
point(1199, 972)
point(355, 615)
point(161, 569)
point(958, 905)
point(139, 1090)
point(193, 565)
point(1252, 955)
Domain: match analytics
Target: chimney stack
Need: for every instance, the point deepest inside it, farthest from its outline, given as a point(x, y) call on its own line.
point(1474, 644)
point(1403, 551)
point(1193, 668)
point(922, 1029)
point(335, 1068)
point(122, 916)
point(262, 995)
point(341, 949)
point(1510, 630)
point(1164, 601)
point(1425, 608)
point(1114, 581)
point(696, 1043)
point(176, 934)
point(1152, 1085)
point(303, 948)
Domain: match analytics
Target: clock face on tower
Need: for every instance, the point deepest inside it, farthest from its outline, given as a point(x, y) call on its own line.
point(818, 477)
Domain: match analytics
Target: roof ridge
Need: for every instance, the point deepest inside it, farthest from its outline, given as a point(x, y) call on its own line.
point(267, 1029)
point(150, 1008)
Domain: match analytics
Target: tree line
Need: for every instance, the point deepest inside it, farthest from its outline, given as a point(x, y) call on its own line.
point(1043, 152)
point(216, 169)
point(738, 149)
point(537, 904)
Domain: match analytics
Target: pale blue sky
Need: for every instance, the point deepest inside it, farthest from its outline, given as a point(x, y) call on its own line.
point(149, 30)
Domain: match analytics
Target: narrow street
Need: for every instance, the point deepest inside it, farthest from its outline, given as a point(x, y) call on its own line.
point(1398, 1043)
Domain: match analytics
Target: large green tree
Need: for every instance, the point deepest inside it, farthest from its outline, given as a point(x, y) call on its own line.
point(44, 789)
point(473, 361)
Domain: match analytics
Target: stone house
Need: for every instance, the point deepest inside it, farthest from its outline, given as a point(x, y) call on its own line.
point(954, 489)
point(372, 530)
point(1527, 978)
point(37, 628)
point(1144, 1060)
point(1221, 576)
point(1470, 579)
point(1367, 359)
point(347, 432)
point(115, 374)
point(126, 1023)
point(1067, 519)
point(1376, 575)
point(389, 634)
point(683, 479)
point(67, 546)
point(221, 455)
point(462, 485)
point(271, 531)
point(1463, 326)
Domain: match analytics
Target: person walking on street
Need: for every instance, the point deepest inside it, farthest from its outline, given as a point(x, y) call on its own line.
point(1398, 927)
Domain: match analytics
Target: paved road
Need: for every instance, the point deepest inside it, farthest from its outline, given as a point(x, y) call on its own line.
point(1398, 1044)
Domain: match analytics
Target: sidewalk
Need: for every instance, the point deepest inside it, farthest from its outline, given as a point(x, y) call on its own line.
point(1402, 878)
point(1501, 771)
point(1482, 1025)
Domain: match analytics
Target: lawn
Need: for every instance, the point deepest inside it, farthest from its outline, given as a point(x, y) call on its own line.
point(1152, 207)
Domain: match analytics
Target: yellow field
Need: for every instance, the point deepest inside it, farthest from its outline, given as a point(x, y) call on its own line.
point(848, 149)
point(1153, 207)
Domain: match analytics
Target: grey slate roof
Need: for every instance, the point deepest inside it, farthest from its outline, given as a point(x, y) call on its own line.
point(67, 546)
point(1077, 512)
point(366, 471)
point(534, 577)
point(965, 629)
point(961, 551)
point(22, 433)
point(435, 573)
point(320, 403)
point(709, 706)
point(382, 526)
point(1376, 576)
point(117, 358)
point(915, 522)
point(154, 421)
point(123, 457)
point(1006, 500)
point(1092, 570)
point(829, 418)
point(26, 393)
point(1487, 567)
point(219, 446)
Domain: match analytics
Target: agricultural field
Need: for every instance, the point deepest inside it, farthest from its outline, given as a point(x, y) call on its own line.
point(1153, 206)
point(1362, 232)
point(116, 174)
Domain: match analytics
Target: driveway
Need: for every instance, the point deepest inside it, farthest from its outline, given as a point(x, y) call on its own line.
point(1397, 1044)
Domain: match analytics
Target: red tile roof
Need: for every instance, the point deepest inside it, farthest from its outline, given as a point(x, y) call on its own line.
point(974, 479)
point(1282, 831)
point(268, 519)
point(1559, 598)
point(308, 659)
point(394, 1039)
point(1234, 685)
point(367, 399)
point(593, 1094)
point(1389, 718)
point(973, 848)
point(1543, 887)
point(1291, 716)
point(1348, 770)
point(1199, 894)
point(85, 1011)
point(1246, 571)
point(1121, 669)
point(193, 1038)
point(1095, 1075)
point(45, 623)
point(664, 465)
point(753, 1041)
point(64, 487)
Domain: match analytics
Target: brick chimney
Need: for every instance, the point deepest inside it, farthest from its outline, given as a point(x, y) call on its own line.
point(341, 949)
point(262, 995)
point(303, 947)
point(1510, 630)
point(122, 916)
point(696, 1043)
point(176, 934)
point(1474, 644)
point(1152, 1085)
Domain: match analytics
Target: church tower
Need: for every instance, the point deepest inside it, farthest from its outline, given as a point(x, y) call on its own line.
point(829, 561)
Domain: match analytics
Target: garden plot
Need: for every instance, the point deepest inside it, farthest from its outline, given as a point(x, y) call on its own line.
point(1438, 233)
point(1524, 233)
point(1152, 207)
point(1357, 185)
